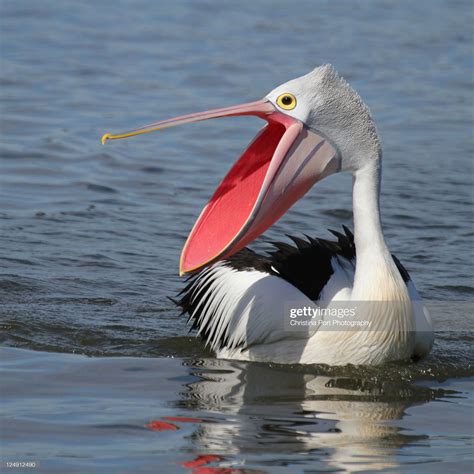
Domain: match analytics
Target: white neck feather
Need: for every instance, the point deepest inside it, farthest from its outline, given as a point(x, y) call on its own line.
point(376, 278)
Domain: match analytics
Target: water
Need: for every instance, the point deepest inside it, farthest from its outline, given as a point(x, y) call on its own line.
point(91, 235)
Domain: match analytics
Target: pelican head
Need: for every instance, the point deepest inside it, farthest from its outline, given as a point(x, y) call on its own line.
point(326, 104)
point(317, 125)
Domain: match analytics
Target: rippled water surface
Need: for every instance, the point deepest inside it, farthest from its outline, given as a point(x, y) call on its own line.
point(91, 235)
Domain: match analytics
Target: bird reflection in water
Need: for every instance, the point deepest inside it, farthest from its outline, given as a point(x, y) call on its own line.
point(347, 417)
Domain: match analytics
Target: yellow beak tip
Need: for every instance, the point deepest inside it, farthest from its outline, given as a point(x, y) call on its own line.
point(105, 138)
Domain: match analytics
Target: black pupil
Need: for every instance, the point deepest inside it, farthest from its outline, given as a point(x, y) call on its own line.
point(286, 100)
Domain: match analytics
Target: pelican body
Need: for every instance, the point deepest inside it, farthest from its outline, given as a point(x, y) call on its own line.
point(238, 300)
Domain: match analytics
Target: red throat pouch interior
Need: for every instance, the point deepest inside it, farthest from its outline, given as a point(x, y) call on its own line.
point(232, 203)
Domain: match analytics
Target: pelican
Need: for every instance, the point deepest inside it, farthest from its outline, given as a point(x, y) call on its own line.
point(240, 301)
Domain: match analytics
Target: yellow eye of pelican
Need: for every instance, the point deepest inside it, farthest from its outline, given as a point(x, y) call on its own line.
point(286, 101)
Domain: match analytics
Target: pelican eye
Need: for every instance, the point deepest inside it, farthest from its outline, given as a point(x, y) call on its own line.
point(286, 101)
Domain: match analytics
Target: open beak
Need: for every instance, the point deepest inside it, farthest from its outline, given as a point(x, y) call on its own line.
point(281, 164)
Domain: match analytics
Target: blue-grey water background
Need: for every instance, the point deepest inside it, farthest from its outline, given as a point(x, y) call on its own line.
point(92, 349)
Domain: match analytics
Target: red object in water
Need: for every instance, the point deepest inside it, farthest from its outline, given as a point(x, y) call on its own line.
point(217, 470)
point(201, 460)
point(156, 425)
point(183, 419)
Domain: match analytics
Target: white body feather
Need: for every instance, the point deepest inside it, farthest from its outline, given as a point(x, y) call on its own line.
point(249, 309)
